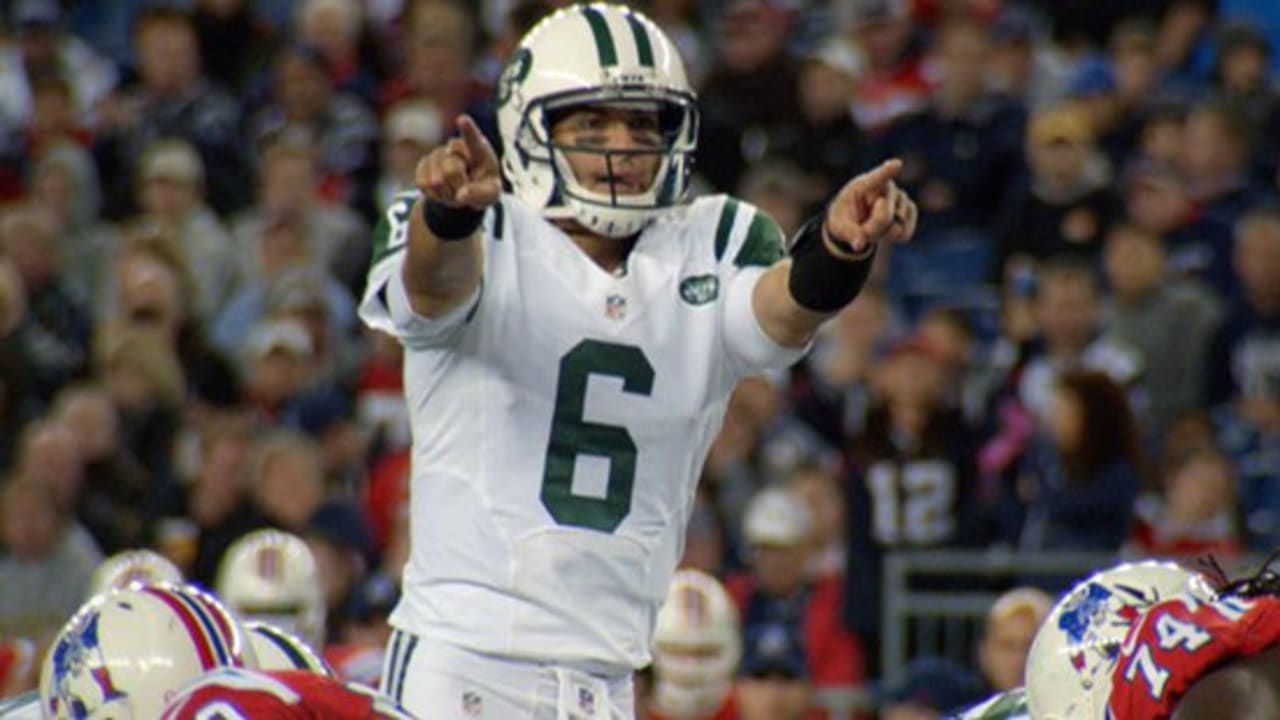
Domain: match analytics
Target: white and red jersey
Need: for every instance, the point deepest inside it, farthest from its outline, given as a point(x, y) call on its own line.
point(237, 694)
point(1178, 641)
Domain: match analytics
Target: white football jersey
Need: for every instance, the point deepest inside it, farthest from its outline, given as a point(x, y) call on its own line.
point(561, 417)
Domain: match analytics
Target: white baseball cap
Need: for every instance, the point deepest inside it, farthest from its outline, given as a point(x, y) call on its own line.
point(776, 516)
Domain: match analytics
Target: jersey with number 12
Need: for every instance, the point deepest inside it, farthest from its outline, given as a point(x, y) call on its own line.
point(561, 417)
point(1179, 641)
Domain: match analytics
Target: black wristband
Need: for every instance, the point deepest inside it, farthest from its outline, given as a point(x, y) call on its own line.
point(821, 281)
point(450, 223)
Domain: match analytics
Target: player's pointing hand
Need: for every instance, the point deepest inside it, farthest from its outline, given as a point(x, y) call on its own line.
point(868, 209)
point(463, 172)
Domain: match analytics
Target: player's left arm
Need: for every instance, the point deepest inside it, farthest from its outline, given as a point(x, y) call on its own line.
point(831, 256)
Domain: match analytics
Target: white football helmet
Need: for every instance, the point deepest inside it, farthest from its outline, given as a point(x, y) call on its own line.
point(126, 652)
point(270, 576)
point(1070, 663)
point(277, 649)
point(133, 566)
point(598, 54)
point(697, 646)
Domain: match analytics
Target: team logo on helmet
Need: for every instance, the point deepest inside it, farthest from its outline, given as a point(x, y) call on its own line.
point(81, 677)
point(1092, 609)
point(515, 73)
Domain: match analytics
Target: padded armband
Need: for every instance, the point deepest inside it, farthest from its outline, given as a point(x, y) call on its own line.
point(820, 281)
point(450, 223)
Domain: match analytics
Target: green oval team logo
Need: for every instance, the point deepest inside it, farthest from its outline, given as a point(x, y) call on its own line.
point(700, 289)
point(517, 70)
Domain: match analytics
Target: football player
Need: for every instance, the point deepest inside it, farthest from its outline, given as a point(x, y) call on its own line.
point(125, 652)
point(697, 643)
point(270, 577)
point(238, 694)
point(570, 350)
point(1193, 658)
point(133, 566)
point(277, 649)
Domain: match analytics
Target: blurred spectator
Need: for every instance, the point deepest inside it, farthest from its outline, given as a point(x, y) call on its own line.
point(235, 43)
point(912, 476)
point(1241, 75)
point(1024, 64)
point(752, 63)
point(360, 650)
point(49, 454)
point(1068, 311)
point(1216, 146)
point(1196, 514)
point(64, 184)
point(1080, 481)
point(335, 237)
point(779, 189)
point(1199, 247)
point(895, 83)
point(1067, 205)
point(141, 372)
point(171, 100)
point(1092, 89)
point(307, 108)
point(216, 510)
point(53, 116)
point(46, 562)
point(929, 689)
point(678, 20)
point(704, 545)
point(1159, 140)
point(1184, 43)
point(438, 51)
point(283, 378)
point(333, 27)
point(1133, 59)
point(1168, 322)
point(288, 480)
point(118, 502)
point(1007, 632)
point(18, 402)
point(339, 539)
point(780, 598)
point(57, 326)
point(818, 488)
point(171, 182)
point(39, 50)
point(831, 147)
point(972, 369)
point(411, 129)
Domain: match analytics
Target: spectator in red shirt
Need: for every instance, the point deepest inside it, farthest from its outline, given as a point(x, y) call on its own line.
point(1196, 515)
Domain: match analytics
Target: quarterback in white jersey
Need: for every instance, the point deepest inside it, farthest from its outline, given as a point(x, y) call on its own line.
point(570, 351)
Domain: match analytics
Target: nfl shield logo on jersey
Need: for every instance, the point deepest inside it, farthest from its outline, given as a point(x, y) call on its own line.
point(472, 703)
point(586, 701)
point(615, 307)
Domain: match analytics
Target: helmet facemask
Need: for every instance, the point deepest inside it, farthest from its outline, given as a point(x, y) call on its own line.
point(611, 213)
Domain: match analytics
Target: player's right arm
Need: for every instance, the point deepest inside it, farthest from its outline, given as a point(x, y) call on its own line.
point(459, 180)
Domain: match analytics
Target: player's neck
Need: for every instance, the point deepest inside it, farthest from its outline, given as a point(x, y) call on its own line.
point(607, 252)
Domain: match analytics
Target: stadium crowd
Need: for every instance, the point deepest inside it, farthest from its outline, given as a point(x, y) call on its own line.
point(1080, 351)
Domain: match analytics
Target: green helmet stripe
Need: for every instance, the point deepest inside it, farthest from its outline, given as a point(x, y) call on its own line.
point(604, 41)
point(643, 47)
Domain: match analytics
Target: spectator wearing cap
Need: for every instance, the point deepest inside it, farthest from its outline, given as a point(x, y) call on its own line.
point(1007, 633)
point(339, 538)
point(38, 50)
point(412, 129)
point(1092, 89)
point(279, 368)
point(895, 83)
point(915, 451)
point(773, 679)
point(960, 156)
point(358, 655)
point(1168, 321)
point(307, 107)
point(171, 100)
point(929, 689)
point(1068, 205)
point(56, 328)
point(751, 63)
point(171, 185)
point(1024, 65)
point(780, 600)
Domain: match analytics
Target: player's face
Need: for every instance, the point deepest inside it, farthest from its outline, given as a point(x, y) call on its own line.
point(633, 140)
point(1005, 648)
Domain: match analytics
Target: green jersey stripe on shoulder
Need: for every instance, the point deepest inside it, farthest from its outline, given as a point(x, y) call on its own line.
point(644, 49)
point(763, 246)
point(498, 220)
point(607, 51)
point(724, 228)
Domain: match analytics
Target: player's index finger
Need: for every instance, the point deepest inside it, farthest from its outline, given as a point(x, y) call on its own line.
point(471, 134)
point(881, 175)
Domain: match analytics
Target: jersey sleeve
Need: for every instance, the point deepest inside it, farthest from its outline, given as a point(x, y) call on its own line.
point(385, 305)
point(747, 243)
point(1179, 641)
